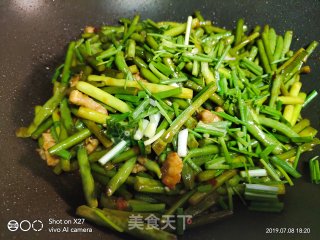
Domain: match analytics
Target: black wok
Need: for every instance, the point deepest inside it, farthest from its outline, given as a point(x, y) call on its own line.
point(34, 35)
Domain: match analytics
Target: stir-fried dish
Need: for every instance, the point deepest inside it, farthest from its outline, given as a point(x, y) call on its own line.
point(168, 123)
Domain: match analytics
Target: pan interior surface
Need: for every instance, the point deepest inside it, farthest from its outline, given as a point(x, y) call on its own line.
point(34, 39)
